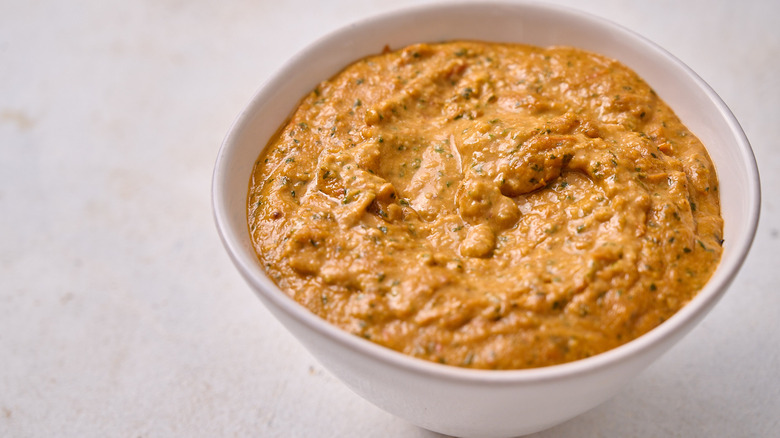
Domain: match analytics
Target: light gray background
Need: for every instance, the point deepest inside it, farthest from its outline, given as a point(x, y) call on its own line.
point(120, 314)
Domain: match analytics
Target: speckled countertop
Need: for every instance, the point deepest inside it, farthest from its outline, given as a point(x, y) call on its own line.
point(121, 315)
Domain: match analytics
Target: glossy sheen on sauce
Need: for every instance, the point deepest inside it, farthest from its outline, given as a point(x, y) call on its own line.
point(487, 205)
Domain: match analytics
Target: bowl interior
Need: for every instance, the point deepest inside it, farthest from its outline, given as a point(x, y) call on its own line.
point(694, 102)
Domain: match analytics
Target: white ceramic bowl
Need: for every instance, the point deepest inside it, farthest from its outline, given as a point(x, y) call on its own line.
point(467, 402)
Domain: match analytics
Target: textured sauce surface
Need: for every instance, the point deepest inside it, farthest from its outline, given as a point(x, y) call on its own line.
point(487, 205)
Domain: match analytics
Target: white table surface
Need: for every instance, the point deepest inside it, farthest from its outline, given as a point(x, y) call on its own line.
point(120, 313)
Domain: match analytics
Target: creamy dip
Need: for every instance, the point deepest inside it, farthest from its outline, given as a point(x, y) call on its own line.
point(487, 205)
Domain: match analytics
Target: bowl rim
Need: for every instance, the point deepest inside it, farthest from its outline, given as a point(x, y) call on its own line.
point(682, 319)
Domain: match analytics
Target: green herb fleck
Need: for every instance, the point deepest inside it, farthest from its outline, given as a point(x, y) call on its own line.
point(701, 244)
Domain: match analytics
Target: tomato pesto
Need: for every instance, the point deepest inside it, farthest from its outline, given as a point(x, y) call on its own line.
point(487, 205)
